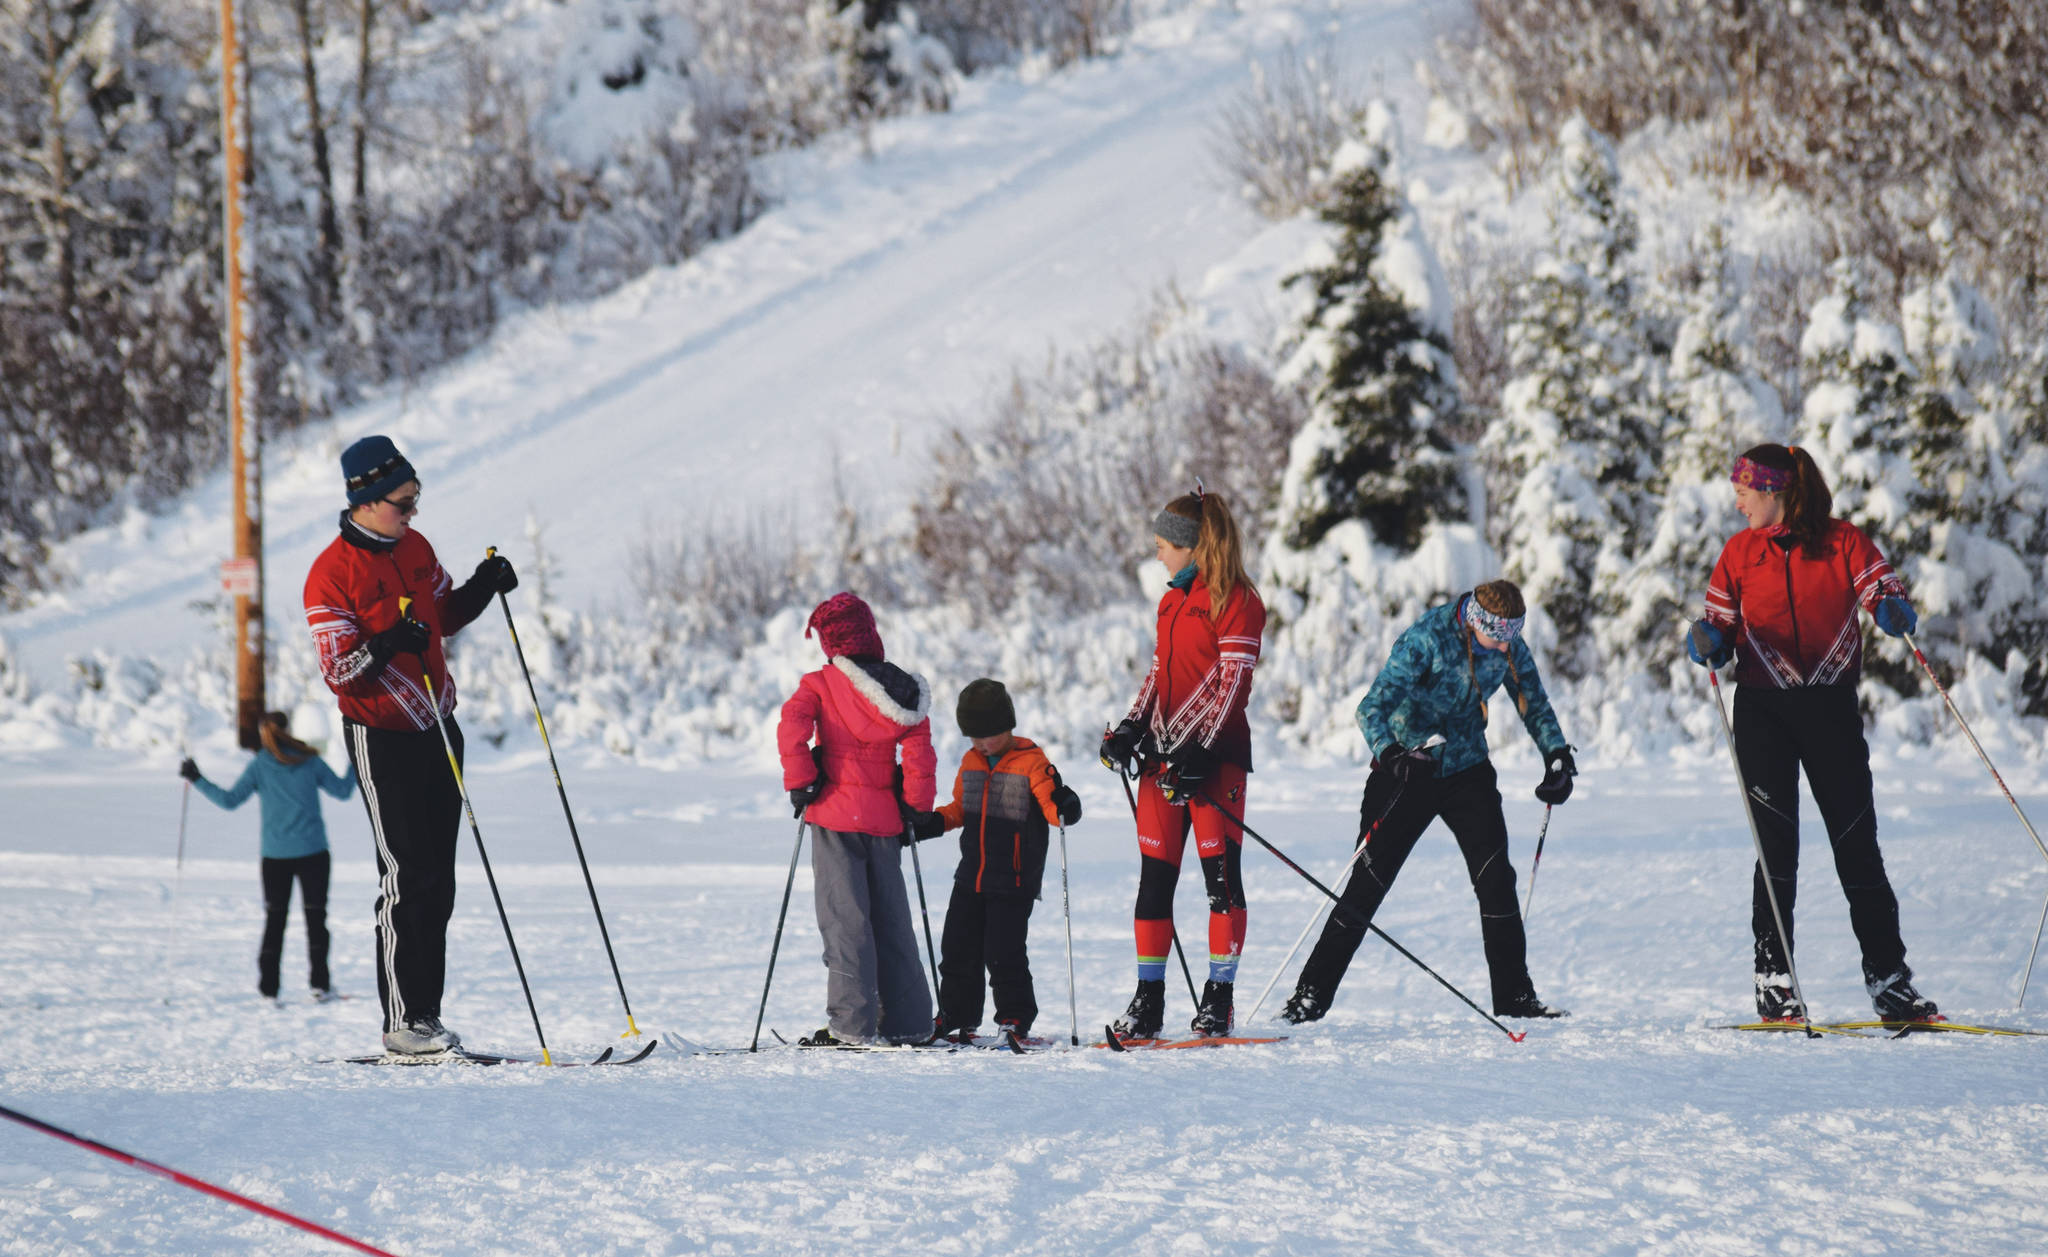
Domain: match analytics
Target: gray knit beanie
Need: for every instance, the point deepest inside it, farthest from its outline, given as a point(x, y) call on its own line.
point(985, 709)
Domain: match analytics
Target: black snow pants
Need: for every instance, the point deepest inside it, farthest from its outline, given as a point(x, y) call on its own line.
point(1469, 802)
point(311, 872)
point(985, 932)
point(1819, 727)
point(415, 819)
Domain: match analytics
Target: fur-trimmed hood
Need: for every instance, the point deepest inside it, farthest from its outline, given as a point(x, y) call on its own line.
point(902, 697)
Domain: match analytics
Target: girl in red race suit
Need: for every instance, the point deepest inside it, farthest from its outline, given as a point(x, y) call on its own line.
point(1187, 737)
point(1783, 603)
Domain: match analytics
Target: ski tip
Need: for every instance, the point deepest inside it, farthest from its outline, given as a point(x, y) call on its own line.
point(1010, 1041)
point(1109, 1038)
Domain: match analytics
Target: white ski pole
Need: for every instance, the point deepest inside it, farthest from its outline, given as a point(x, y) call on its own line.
point(2032, 952)
point(1067, 910)
point(1705, 649)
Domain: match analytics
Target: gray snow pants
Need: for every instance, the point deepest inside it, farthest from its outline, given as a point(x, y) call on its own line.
point(875, 984)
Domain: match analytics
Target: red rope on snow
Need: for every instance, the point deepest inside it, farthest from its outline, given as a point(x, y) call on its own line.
point(186, 1180)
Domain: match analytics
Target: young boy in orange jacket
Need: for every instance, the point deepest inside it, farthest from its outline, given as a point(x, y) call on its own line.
point(1005, 797)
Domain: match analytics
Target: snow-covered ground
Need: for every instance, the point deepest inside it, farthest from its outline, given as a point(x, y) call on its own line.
point(1402, 1124)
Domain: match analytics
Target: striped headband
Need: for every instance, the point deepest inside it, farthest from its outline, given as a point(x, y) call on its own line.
point(1751, 474)
point(1501, 628)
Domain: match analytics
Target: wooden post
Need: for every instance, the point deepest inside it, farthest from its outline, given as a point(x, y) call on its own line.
point(245, 438)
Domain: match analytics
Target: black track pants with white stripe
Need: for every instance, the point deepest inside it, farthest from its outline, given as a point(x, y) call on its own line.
point(415, 819)
point(1820, 728)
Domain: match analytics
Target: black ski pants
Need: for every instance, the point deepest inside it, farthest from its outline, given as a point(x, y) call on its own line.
point(985, 932)
point(1817, 727)
point(311, 873)
point(1468, 802)
point(415, 811)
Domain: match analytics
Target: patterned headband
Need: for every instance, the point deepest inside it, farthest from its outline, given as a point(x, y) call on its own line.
point(1751, 474)
point(1501, 628)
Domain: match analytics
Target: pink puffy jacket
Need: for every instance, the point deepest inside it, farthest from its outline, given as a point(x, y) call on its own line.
point(859, 725)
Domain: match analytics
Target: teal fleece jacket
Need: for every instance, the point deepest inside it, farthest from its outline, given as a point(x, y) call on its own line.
point(1428, 687)
point(291, 801)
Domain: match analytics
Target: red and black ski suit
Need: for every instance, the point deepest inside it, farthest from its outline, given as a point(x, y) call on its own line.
point(1195, 694)
point(1799, 645)
point(415, 806)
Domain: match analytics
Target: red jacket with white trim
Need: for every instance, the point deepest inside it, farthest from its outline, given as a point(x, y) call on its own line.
point(1201, 674)
point(1794, 617)
point(352, 594)
point(860, 714)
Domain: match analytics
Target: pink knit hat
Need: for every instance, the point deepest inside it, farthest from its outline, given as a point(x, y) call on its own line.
point(845, 626)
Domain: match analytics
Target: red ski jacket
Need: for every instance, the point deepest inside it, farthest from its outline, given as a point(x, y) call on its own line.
point(1004, 812)
point(352, 594)
point(1794, 617)
point(859, 722)
point(1201, 674)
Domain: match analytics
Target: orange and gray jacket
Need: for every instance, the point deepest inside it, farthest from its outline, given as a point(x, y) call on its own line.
point(1004, 813)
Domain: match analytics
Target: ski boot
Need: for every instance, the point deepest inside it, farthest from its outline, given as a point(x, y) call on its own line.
point(1305, 1005)
point(1215, 1016)
point(1775, 1001)
point(1148, 1009)
point(422, 1036)
point(1526, 1005)
point(1895, 999)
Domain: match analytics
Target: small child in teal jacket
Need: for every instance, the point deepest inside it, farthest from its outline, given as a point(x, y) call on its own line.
point(289, 776)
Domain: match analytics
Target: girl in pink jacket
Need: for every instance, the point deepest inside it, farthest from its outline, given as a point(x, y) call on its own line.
point(838, 738)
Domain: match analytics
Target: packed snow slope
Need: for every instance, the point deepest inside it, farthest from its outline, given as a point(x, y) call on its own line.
point(884, 298)
point(1403, 1124)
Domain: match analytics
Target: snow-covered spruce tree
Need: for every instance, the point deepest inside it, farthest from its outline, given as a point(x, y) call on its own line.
point(1720, 405)
point(1377, 340)
point(1372, 526)
point(1571, 460)
point(2021, 412)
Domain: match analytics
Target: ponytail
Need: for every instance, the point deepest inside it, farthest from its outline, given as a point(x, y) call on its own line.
point(1219, 548)
point(1809, 505)
point(278, 740)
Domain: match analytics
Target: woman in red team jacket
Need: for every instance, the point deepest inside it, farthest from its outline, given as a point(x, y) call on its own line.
point(1187, 734)
point(1783, 602)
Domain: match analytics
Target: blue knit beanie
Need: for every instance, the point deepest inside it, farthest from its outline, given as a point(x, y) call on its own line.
point(373, 467)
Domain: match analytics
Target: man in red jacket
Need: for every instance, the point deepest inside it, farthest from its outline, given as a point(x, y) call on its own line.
point(379, 660)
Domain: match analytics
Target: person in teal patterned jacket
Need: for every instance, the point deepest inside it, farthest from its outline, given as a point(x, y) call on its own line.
point(287, 776)
point(1435, 685)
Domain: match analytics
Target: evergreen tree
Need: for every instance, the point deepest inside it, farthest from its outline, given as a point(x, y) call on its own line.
point(1377, 340)
point(1721, 406)
point(1572, 456)
point(1857, 421)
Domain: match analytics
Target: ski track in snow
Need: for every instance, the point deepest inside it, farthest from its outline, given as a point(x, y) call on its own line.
point(1403, 1124)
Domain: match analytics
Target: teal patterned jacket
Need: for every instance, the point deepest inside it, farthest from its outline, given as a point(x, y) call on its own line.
point(1427, 689)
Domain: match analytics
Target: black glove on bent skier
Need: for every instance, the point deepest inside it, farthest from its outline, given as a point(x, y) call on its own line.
point(1120, 746)
point(1557, 778)
point(1407, 765)
point(189, 770)
point(408, 636)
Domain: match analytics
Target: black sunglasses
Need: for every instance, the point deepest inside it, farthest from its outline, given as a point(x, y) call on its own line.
point(406, 506)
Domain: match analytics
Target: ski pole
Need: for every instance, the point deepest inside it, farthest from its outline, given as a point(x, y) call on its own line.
point(405, 609)
point(776, 947)
point(1978, 746)
point(917, 867)
point(186, 1180)
point(1067, 910)
point(1186, 974)
point(2031, 953)
point(178, 879)
point(1345, 912)
point(1536, 863)
point(632, 1027)
point(1705, 650)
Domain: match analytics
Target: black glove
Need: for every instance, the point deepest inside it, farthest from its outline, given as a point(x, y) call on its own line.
point(408, 636)
point(803, 796)
point(1187, 767)
point(1065, 801)
point(1120, 746)
point(189, 770)
point(924, 825)
point(1558, 772)
point(1407, 765)
point(496, 575)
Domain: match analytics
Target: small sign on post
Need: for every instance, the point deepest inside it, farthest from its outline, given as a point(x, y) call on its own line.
point(238, 577)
